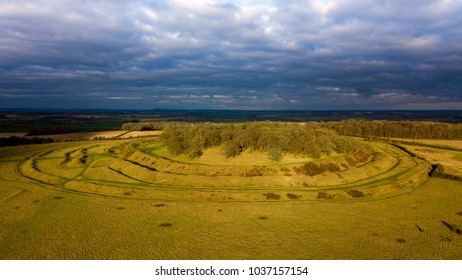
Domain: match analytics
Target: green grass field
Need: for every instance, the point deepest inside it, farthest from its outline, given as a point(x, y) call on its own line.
point(131, 199)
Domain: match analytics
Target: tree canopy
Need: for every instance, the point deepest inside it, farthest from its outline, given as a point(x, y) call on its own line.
point(397, 129)
point(309, 139)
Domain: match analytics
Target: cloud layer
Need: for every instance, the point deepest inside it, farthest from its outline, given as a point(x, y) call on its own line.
point(311, 54)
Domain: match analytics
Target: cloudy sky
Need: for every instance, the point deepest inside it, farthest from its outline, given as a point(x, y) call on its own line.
point(231, 54)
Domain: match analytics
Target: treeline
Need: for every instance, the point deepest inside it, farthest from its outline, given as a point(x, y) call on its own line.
point(143, 126)
point(273, 137)
point(359, 128)
point(16, 141)
point(397, 129)
point(50, 131)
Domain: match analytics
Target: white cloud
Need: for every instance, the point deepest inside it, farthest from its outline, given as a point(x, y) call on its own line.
point(423, 42)
point(391, 96)
point(124, 97)
point(352, 94)
point(334, 89)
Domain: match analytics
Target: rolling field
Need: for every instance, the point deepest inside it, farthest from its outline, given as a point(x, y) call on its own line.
point(131, 199)
point(447, 153)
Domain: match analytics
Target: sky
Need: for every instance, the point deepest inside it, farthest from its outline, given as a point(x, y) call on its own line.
point(250, 55)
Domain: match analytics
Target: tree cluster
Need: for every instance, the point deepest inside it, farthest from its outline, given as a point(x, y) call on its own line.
point(53, 130)
point(397, 129)
point(16, 141)
point(143, 126)
point(273, 137)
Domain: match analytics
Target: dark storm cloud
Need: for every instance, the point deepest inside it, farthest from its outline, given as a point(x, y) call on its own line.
point(316, 54)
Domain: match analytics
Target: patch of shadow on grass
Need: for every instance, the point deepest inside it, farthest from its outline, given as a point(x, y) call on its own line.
point(34, 165)
point(128, 193)
point(141, 165)
point(459, 213)
point(67, 157)
point(256, 171)
point(355, 193)
point(444, 238)
point(120, 208)
point(36, 201)
point(58, 197)
point(160, 205)
point(400, 240)
point(264, 218)
point(375, 234)
point(272, 196)
point(452, 227)
point(293, 196)
point(220, 210)
point(16, 207)
point(324, 195)
point(166, 225)
point(83, 159)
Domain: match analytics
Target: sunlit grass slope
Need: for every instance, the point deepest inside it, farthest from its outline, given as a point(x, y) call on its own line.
point(131, 199)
